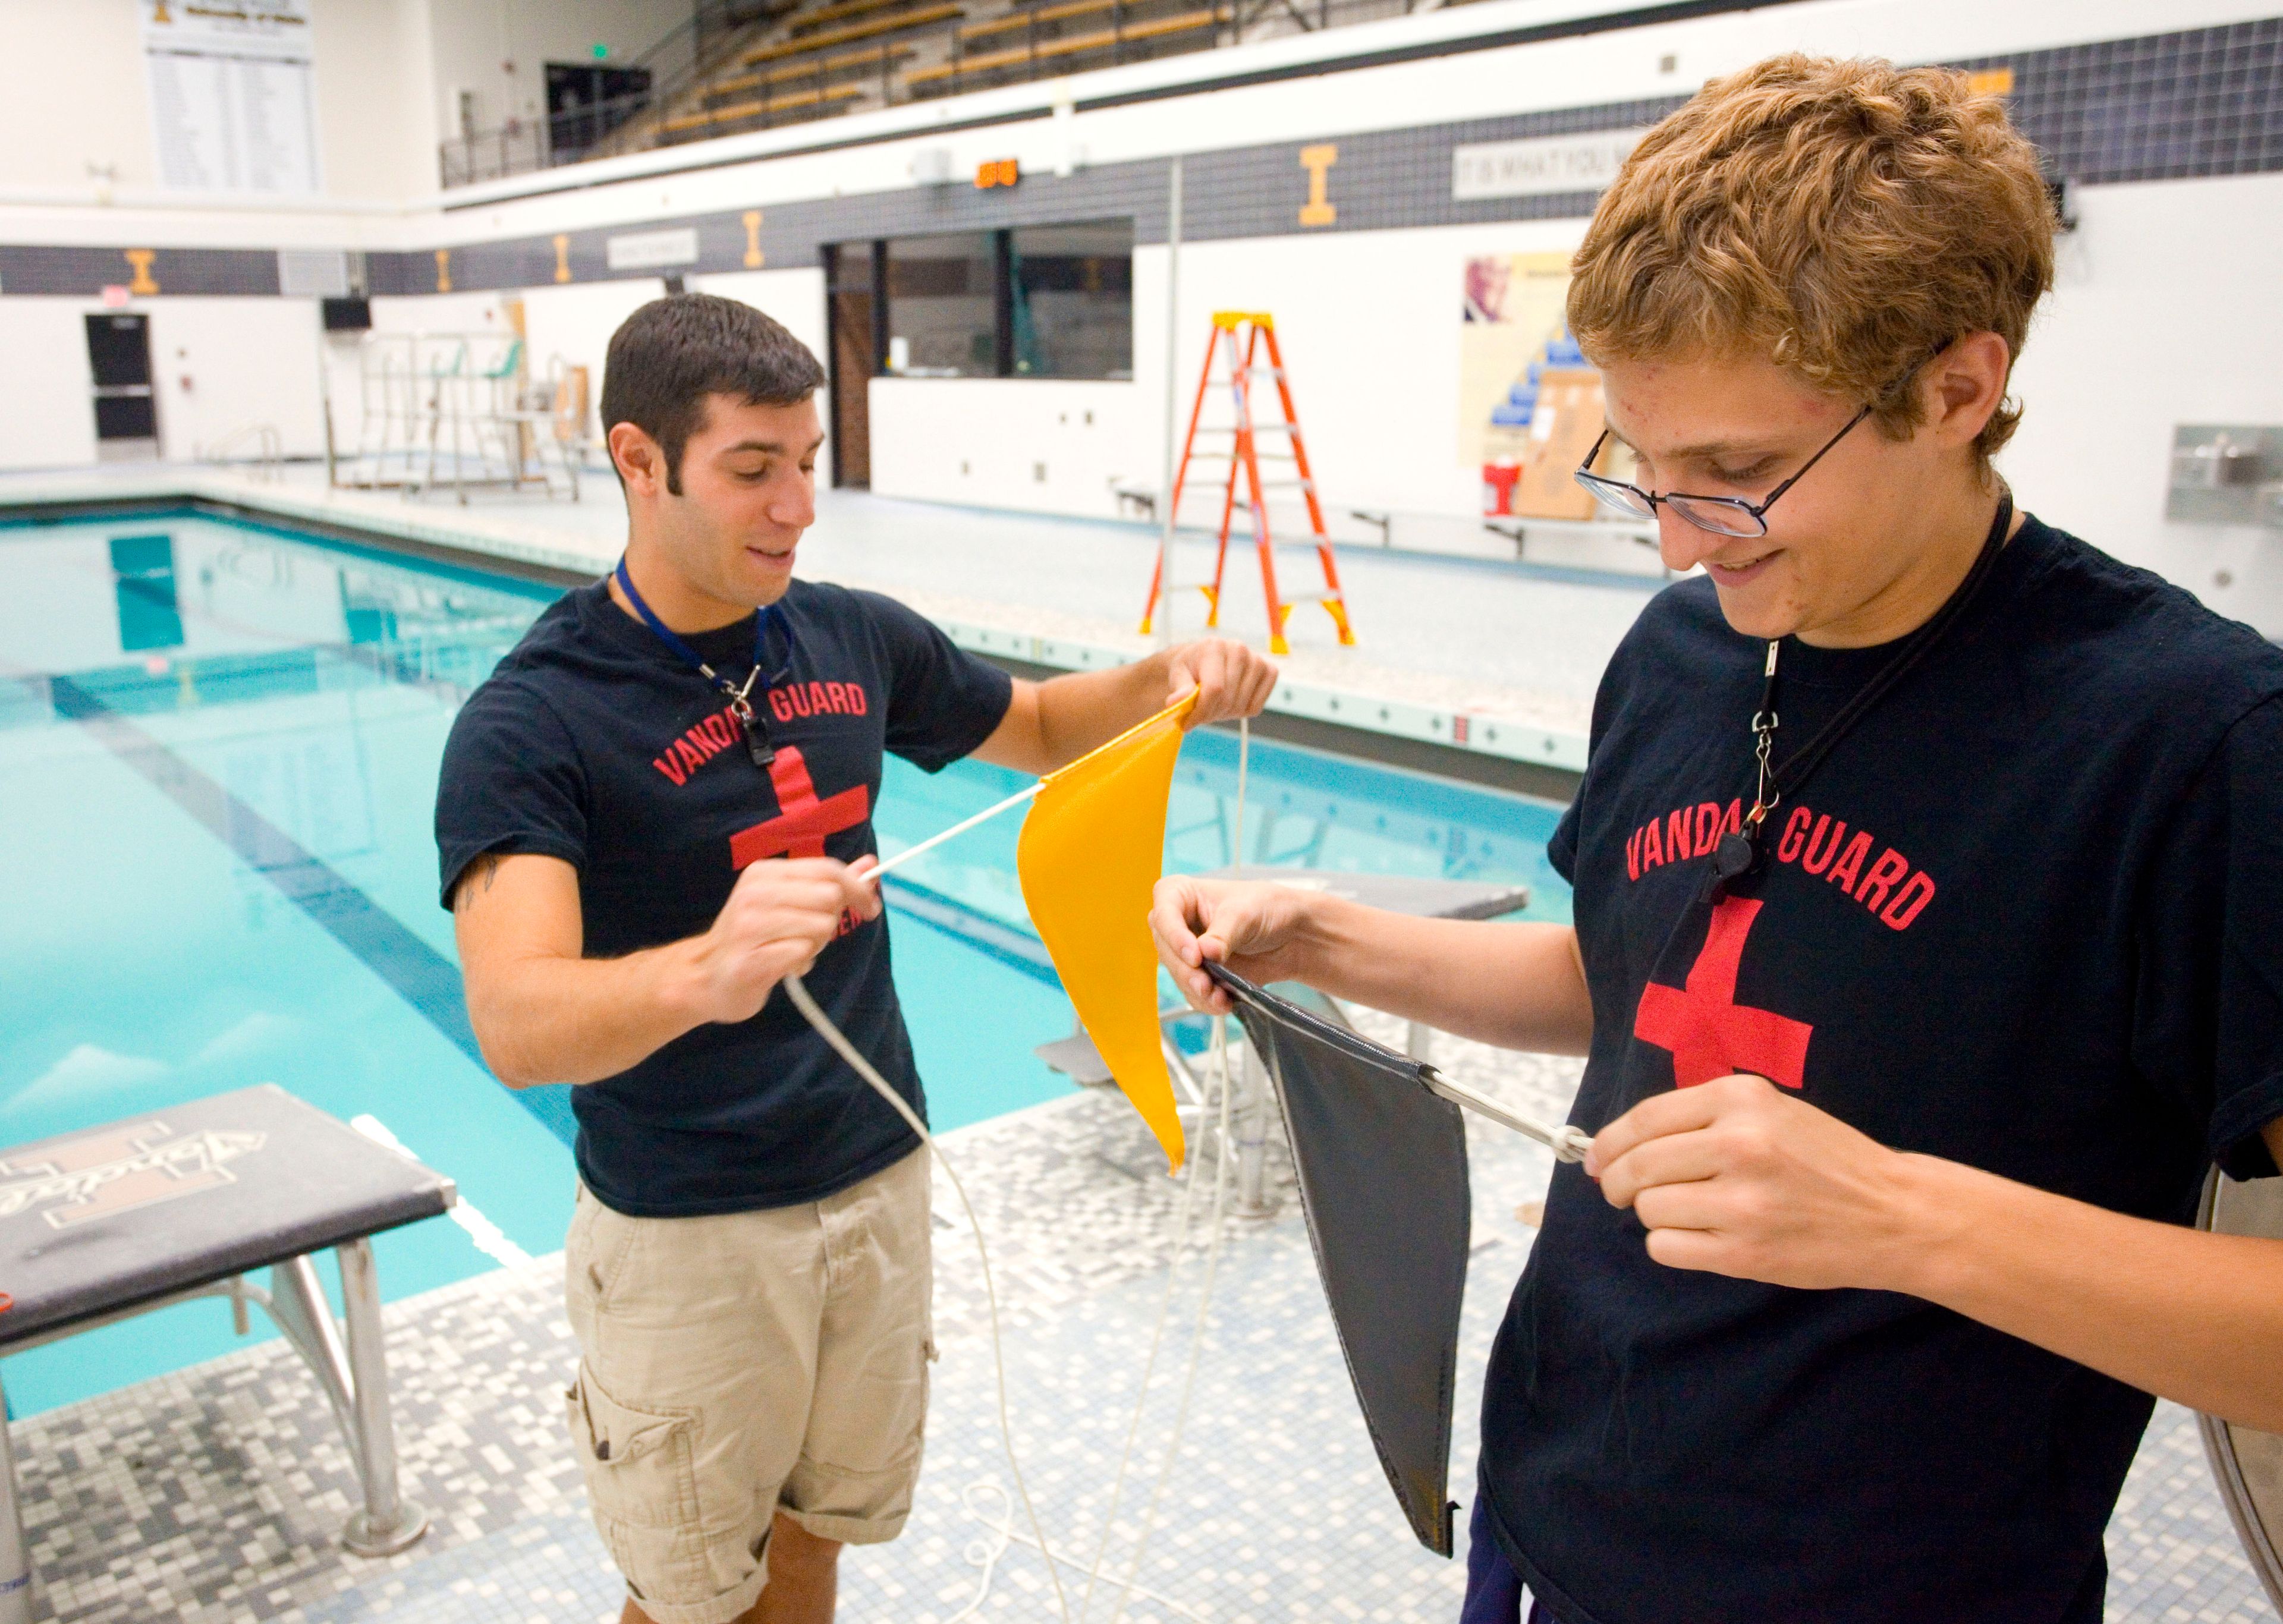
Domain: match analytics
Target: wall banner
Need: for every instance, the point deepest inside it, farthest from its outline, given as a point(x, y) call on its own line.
point(233, 95)
point(1545, 166)
point(648, 250)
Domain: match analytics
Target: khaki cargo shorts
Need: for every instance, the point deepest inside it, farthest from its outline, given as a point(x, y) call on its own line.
point(734, 1365)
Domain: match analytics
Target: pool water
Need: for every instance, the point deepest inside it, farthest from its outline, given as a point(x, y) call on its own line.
point(218, 753)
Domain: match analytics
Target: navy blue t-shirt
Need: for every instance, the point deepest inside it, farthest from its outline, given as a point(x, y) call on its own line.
point(2023, 918)
point(593, 743)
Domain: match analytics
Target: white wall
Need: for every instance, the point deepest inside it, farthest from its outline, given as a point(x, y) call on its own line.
point(795, 297)
point(1369, 323)
point(377, 130)
point(47, 418)
point(576, 322)
point(500, 49)
point(219, 365)
point(1035, 445)
point(79, 100)
point(2164, 314)
point(56, 122)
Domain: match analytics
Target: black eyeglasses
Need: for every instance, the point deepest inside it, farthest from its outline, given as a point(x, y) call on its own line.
point(1723, 515)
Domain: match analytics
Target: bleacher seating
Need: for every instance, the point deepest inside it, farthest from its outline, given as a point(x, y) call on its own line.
point(814, 60)
point(964, 71)
point(873, 61)
point(716, 120)
point(840, 11)
point(755, 63)
point(1030, 19)
point(900, 22)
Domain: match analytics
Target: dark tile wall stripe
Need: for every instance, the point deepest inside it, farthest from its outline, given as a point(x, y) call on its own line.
point(79, 271)
point(2199, 102)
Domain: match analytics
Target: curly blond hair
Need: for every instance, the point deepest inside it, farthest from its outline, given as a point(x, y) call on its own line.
point(1842, 218)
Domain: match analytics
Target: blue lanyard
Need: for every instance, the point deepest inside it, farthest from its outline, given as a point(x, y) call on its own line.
point(740, 696)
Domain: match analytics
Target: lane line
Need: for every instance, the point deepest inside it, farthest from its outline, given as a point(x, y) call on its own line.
point(488, 1237)
point(419, 975)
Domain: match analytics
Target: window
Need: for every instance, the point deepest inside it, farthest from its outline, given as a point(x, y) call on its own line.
point(943, 306)
point(1072, 296)
point(1035, 301)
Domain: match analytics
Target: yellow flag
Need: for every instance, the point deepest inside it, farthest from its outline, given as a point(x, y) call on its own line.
point(1093, 847)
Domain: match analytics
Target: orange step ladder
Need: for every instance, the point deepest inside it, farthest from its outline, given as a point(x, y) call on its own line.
point(1239, 337)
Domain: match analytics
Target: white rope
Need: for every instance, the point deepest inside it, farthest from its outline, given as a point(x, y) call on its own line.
point(986, 1554)
point(1142, 1398)
point(1180, 1234)
point(960, 828)
point(848, 1051)
point(1221, 1159)
point(1243, 757)
point(1197, 1337)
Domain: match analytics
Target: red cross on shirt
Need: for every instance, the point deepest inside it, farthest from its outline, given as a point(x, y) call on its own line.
point(802, 820)
point(1710, 1035)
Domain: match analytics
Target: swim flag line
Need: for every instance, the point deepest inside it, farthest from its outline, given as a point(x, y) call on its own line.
point(1090, 852)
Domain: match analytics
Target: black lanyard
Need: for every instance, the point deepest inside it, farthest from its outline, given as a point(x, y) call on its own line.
point(739, 696)
point(1741, 853)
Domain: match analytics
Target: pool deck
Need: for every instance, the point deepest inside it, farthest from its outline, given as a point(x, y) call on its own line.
point(1475, 654)
point(216, 1494)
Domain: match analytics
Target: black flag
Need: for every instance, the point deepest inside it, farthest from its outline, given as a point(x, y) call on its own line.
point(1382, 1171)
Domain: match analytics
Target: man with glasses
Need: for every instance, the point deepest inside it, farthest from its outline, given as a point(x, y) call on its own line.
point(1927, 873)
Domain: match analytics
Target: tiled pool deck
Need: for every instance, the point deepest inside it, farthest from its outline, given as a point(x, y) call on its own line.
point(216, 1494)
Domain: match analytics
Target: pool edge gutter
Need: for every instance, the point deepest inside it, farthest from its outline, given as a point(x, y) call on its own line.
point(1502, 751)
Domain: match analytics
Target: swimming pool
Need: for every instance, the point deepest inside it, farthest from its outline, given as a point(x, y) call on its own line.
point(218, 754)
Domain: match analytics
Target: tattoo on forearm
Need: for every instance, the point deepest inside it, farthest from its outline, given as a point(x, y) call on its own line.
point(484, 868)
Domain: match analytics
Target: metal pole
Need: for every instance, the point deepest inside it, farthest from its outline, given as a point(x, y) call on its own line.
point(387, 1523)
point(1172, 353)
point(325, 404)
point(297, 1303)
point(15, 1563)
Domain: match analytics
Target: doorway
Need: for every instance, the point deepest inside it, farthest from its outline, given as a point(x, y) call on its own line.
point(585, 103)
point(125, 409)
point(857, 315)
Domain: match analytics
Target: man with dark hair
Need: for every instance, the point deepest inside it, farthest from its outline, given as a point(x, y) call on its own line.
point(747, 1270)
point(670, 355)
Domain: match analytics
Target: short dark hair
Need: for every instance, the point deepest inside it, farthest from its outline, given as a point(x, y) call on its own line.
point(670, 355)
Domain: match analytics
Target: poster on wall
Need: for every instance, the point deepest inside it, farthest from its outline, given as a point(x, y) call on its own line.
point(1530, 405)
point(1513, 314)
point(233, 95)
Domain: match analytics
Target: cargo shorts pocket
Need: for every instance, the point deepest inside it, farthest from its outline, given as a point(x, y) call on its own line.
point(597, 1252)
point(638, 1463)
